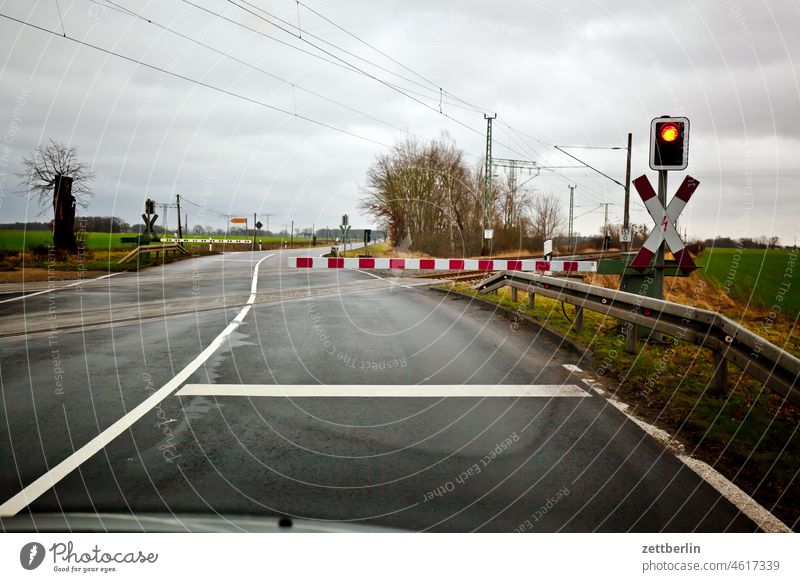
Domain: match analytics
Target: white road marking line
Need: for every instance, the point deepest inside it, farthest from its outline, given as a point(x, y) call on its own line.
point(59, 288)
point(760, 515)
point(394, 283)
point(47, 481)
point(571, 368)
point(386, 391)
point(741, 500)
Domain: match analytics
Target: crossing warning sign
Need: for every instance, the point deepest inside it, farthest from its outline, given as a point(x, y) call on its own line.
point(665, 224)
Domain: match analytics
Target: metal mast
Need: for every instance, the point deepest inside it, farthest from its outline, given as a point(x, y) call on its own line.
point(487, 194)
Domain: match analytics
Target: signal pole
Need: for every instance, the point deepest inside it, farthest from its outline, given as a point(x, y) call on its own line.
point(571, 218)
point(626, 220)
point(605, 224)
point(178, 202)
point(487, 200)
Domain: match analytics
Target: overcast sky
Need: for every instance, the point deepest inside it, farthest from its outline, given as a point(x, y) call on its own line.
point(555, 72)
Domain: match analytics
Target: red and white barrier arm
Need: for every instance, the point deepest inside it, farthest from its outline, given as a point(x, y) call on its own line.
point(444, 264)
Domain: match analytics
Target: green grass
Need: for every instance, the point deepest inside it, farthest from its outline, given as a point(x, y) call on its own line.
point(376, 249)
point(19, 240)
point(765, 278)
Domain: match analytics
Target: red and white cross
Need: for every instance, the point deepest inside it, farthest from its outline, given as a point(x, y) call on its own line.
point(665, 224)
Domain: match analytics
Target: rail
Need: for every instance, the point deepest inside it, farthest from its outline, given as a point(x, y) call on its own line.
point(728, 341)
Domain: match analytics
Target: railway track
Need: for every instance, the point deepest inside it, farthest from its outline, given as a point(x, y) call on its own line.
point(457, 276)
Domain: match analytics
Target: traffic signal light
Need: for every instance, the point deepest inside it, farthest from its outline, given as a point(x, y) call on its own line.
point(669, 143)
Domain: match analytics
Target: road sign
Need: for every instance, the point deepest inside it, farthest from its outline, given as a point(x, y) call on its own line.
point(149, 225)
point(548, 249)
point(665, 224)
point(669, 143)
point(625, 236)
point(488, 233)
point(258, 224)
point(239, 220)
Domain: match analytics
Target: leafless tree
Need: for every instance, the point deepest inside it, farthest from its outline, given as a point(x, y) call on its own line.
point(427, 192)
point(547, 216)
point(54, 175)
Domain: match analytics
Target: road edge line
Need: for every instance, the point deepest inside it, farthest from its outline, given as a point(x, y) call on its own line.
point(38, 487)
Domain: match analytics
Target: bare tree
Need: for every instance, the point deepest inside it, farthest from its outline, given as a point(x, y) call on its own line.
point(425, 192)
point(547, 216)
point(54, 175)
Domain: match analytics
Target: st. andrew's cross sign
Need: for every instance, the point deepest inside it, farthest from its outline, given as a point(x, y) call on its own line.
point(665, 224)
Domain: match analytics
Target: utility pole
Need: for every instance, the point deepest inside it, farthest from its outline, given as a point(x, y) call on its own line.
point(605, 225)
point(571, 218)
point(178, 202)
point(487, 200)
point(658, 265)
point(626, 220)
point(164, 222)
point(267, 217)
point(291, 237)
point(254, 231)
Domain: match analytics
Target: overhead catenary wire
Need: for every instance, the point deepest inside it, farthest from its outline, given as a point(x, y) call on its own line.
point(114, 6)
point(344, 63)
point(476, 108)
point(196, 81)
point(360, 70)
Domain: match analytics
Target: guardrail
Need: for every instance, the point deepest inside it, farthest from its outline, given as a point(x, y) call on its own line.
point(168, 248)
point(727, 340)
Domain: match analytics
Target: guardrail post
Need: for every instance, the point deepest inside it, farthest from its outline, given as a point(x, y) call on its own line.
point(514, 294)
point(578, 318)
point(720, 378)
point(531, 299)
point(631, 338)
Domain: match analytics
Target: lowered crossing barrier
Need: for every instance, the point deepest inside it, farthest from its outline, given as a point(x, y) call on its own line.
point(227, 241)
point(443, 264)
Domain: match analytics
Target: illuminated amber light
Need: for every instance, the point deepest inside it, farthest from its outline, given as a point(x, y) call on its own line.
point(669, 132)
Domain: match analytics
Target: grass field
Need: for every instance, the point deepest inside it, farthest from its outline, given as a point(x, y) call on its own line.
point(766, 278)
point(19, 240)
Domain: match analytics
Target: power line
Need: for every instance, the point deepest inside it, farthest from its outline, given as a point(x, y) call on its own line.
point(134, 14)
point(349, 66)
point(312, 35)
point(325, 18)
point(196, 81)
point(354, 67)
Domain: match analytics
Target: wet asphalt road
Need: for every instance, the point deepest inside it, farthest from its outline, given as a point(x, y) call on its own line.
point(76, 361)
